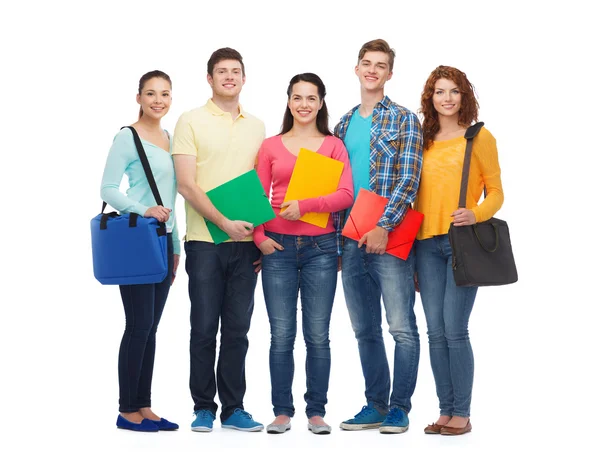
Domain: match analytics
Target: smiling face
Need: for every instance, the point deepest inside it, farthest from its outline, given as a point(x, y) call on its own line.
point(227, 79)
point(373, 70)
point(304, 102)
point(446, 98)
point(155, 98)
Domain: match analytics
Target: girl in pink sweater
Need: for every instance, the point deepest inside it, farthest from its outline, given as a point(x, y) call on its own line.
point(300, 257)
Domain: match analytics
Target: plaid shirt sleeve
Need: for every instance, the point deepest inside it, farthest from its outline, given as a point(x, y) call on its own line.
point(339, 218)
point(408, 163)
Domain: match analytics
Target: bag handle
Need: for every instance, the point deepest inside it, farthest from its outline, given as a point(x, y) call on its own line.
point(496, 242)
point(145, 165)
point(469, 136)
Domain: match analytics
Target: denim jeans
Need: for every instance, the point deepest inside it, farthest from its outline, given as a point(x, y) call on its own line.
point(221, 287)
point(366, 279)
point(309, 265)
point(447, 309)
point(143, 305)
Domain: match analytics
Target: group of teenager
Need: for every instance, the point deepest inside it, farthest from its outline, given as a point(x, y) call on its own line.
point(385, 149)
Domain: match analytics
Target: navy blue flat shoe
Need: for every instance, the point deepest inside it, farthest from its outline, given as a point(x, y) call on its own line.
point(146, 425)
point(165, 425)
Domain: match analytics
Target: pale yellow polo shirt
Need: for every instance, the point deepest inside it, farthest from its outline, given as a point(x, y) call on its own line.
point(224, 148)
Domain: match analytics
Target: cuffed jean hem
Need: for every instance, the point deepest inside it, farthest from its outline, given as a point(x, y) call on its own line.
point(454, 414)
point(284, 413)
point(314, 414)
point(381, 409)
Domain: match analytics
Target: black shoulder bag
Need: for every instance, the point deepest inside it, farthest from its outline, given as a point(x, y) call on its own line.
point(481, 253)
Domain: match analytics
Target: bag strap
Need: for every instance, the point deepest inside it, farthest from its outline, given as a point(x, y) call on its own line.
point(145, 165)
point(469, 136)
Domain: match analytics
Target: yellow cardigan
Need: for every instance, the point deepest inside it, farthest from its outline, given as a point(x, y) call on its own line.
point(439, 189)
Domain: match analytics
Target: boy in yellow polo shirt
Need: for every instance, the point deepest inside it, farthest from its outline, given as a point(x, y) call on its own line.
point(212, 145)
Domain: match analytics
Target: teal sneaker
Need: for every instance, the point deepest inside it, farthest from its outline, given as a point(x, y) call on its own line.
point(395, 422)
point(203, 421)
point(241, 420)
point(367, 418)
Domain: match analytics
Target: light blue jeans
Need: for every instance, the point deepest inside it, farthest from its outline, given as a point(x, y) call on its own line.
point(447, 309)
point(367, 278)
point(309, 265)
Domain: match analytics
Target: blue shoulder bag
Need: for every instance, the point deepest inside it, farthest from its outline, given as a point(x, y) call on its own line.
point(128, 248)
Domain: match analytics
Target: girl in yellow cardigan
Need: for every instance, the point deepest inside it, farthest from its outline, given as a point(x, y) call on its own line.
point(449, 107)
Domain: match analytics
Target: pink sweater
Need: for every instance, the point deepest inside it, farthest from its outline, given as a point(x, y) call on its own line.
point(274, 168)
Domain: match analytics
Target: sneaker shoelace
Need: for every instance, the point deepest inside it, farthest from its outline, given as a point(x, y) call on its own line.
point(394, 416)
point(244, 414)
point(204, 414)
point(364, 412)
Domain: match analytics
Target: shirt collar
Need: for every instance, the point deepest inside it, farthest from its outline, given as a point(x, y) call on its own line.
point(386, 102)
point(216, 110)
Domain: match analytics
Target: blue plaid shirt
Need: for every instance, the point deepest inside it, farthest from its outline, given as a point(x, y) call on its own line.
point(396, 159)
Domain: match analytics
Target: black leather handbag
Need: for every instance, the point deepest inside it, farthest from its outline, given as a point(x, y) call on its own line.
point(481, 253)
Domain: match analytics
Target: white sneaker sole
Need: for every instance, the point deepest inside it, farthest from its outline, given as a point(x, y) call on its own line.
point(233, 427)
point(393, 430)
point(359, 426)
point(202, 429)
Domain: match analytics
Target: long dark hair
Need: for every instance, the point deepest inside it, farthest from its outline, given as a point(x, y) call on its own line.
point(151, 75)
point(322, 116)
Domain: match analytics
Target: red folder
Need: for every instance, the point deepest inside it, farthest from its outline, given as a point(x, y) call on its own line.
point(365, 215)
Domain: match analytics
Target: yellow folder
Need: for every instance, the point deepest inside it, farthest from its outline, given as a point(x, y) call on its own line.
point(314, 175)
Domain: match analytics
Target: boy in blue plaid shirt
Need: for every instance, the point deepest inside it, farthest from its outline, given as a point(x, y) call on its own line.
point(385, 145)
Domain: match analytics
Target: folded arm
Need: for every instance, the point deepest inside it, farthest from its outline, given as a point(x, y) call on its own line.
point(185, 169)
point(408, 163)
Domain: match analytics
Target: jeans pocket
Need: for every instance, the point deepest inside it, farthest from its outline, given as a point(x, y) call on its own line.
point(326, 244)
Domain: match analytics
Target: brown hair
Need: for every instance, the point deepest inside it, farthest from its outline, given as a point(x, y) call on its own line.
point(469, 107)
point(225, 53)
point(151, 75)
point(378, 45)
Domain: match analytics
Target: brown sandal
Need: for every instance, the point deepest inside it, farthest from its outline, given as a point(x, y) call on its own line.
point(452, 431)
point(434, 428)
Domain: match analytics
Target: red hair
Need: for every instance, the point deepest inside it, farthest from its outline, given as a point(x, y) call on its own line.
point(469, 107)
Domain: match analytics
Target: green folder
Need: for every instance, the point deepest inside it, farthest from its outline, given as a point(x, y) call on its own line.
point(242, 198)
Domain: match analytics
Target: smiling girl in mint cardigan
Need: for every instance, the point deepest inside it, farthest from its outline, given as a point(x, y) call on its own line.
point(143, 303)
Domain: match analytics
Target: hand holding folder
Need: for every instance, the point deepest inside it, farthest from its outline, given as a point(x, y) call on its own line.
point(314, 175)
point(366, 212)
point(242, 198)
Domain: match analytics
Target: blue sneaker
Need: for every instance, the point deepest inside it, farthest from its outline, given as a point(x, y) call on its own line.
point(203, 421)
point(241, 420)
point(367, 418)
point(395, 422)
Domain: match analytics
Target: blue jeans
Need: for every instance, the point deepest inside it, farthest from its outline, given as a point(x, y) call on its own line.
point(143, 305)
point(309, 265)
point(221, 287)
point(366, 279)
point(447, 310)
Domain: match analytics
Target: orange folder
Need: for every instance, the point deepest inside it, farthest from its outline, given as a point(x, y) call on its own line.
point(314, 175)
point(365, 214)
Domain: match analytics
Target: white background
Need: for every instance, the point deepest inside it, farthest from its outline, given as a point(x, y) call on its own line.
point(68, 83)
